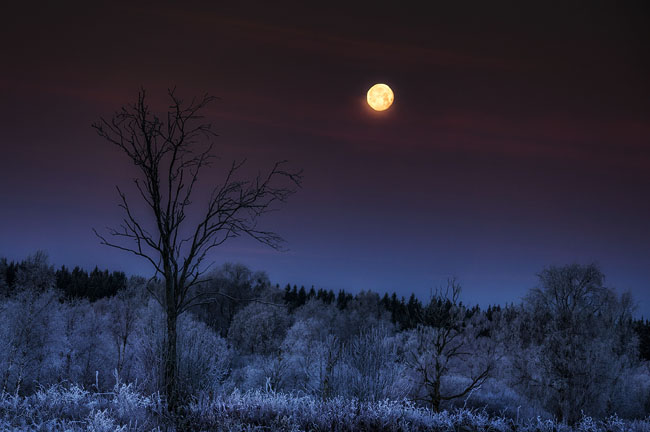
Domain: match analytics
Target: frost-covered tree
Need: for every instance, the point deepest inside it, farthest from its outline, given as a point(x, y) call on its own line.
point(259, 328)
point(327, 314)
point(90, 353)
point(373, 368)
point(575, 342)
point(316, 353)
point(30, 333)
point(362, 314)
point(35, 274)
point(236, 285)
point(30, 345)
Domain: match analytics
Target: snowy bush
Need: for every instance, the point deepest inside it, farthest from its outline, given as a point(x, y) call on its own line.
point(204, 357)
point(373, 370)
point(73, 408)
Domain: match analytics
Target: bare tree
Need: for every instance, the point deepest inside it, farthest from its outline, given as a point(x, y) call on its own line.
point(444, 343)
point(170, 152)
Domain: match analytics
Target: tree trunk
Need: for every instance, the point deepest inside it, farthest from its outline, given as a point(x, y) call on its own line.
point(435, 399)
point(171, 384)
point(170, 363)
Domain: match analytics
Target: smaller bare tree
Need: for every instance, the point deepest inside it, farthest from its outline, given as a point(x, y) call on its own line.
point(444, 344)
point(123, 315)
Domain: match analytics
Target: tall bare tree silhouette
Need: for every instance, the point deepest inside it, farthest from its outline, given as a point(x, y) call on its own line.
point(169, 153)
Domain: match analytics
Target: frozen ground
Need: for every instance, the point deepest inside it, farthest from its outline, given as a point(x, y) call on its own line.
point(73, 408)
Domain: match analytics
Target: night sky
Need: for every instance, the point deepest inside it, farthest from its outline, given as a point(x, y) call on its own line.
point(519, 137)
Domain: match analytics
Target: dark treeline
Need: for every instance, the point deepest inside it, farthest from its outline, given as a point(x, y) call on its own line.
point(408, 314)
point(76, 283)
point(405, 314)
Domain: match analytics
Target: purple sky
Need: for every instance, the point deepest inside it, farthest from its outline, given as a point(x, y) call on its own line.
point(519, 137)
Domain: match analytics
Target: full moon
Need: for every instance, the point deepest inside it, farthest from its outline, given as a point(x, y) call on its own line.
point(380, 97)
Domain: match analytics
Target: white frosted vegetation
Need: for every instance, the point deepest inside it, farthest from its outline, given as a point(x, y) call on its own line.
point(80, 365)
point(76, 409)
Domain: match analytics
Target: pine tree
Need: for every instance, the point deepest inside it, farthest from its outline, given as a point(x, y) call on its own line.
point(302, 296)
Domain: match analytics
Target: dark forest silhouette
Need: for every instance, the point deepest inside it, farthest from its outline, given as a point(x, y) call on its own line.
point(97, 284)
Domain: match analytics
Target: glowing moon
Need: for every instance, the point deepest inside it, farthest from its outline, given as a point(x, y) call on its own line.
point(380, 97)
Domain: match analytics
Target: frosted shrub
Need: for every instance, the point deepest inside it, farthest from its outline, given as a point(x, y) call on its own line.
point(496, 397)
point(204, 357)
point(150, 344)
point(61, 402)
point(76, 409)
point(259, 328)
point(631, 397)
point(58, 395)
point(127, 402)
point(250, 375)
point(100, 421)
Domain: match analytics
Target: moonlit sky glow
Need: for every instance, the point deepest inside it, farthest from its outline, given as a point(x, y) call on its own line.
point(521, 138)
